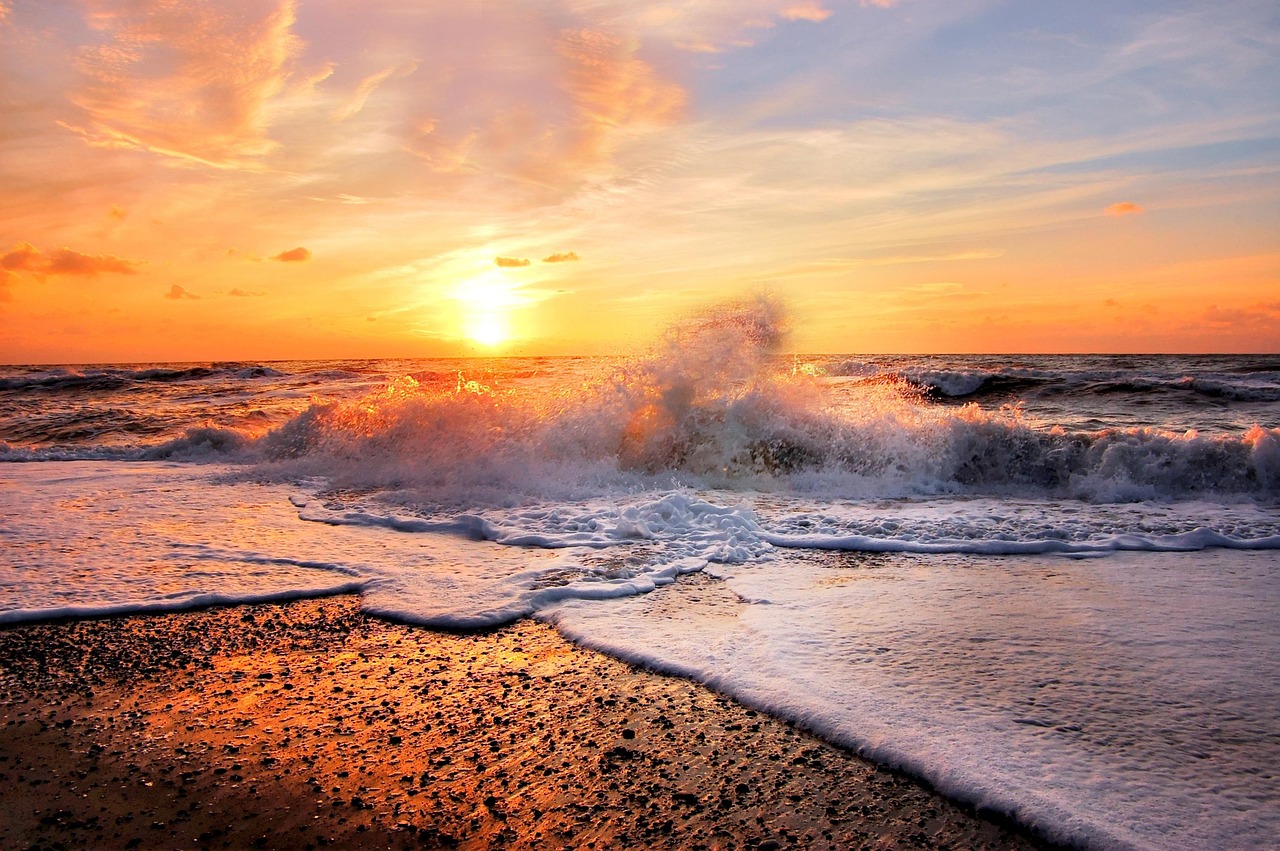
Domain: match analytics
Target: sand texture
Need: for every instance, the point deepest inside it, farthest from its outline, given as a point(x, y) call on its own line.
point(309, 725)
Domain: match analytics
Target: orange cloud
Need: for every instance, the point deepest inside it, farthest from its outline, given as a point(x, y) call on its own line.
point(239, 293)
point(1124, 208)
point(809, 12)
point(549, 107)
point(1260, 313)
point(178, 293)
point(64, 261)
point(293, 255)
point(510, 262)
point(566, 257)
point(189, 80)
point(611, 88)
point(118, 213)
point(25, 257)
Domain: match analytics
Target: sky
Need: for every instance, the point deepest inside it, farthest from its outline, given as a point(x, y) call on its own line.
point(281, 179)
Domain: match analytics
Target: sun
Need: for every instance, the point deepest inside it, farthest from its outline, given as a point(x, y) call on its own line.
point(486, 304)
point(488, 328)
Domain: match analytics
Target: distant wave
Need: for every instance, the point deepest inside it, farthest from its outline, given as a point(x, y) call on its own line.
point(115, 378)
point(971, 384)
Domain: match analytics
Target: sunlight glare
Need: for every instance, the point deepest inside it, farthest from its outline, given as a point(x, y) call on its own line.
point(487, 303)
point(488, 328)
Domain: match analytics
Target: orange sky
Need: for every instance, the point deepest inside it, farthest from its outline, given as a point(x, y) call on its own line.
point(259, 179)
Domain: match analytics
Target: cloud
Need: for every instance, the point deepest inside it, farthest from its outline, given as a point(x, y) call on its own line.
point(6, 294)
point(880, 4)
point(368, 85)
point(64, 261)
point(510, 262)
point(118, 213)
point(566, 257)
point(807, 12)
point(25, 257)
point(239, 293)
point(611, 88)
point(1259, 314)
point(1124, 208)
point(550, 104)
point(188, 80)
point(178, 293)
point(293, 255)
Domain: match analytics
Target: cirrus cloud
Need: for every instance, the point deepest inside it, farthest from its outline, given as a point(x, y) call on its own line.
point(187, 80)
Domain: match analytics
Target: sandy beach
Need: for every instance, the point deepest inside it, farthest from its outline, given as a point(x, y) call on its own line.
point(309, 724)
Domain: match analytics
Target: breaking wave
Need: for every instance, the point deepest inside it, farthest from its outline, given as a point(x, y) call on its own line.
point(710, 407)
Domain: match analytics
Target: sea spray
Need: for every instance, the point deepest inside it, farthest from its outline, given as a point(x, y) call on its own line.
point(712, 405)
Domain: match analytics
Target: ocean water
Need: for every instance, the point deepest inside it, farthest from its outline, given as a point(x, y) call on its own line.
point(1050, 586)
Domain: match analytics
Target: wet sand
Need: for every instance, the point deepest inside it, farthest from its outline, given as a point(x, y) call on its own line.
point(309, 724)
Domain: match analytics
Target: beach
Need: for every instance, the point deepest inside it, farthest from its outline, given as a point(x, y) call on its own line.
point(1069, 626)
point(311, 724)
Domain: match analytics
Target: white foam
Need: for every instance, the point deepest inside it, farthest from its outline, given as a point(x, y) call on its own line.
point(1130, 702)
point(1160, 666)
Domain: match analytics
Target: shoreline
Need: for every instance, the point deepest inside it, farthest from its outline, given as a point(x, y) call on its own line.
point(308, 724)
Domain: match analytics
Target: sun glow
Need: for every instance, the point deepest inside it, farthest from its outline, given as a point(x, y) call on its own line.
point(488, 328)
point(487, 303)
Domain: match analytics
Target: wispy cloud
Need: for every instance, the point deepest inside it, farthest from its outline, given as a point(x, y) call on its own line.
point(565, 257)
point(178, 293)
point(187, 80)
point(510, 262)
point(367, 86)
point(812, 11)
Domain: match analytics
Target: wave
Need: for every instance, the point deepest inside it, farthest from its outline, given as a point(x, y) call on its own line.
point(708, 407)
point(116, 378)
point(971, 384)
point(947, 384)
point(714, 405)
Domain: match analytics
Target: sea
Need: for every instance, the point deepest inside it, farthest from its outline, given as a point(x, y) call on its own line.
point(1048, 586)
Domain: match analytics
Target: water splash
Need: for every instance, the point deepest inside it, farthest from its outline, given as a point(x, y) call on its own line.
point(713, 404)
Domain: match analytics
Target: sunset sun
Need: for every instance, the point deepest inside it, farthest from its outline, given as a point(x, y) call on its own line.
point(486, 303)
point(489, 328)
